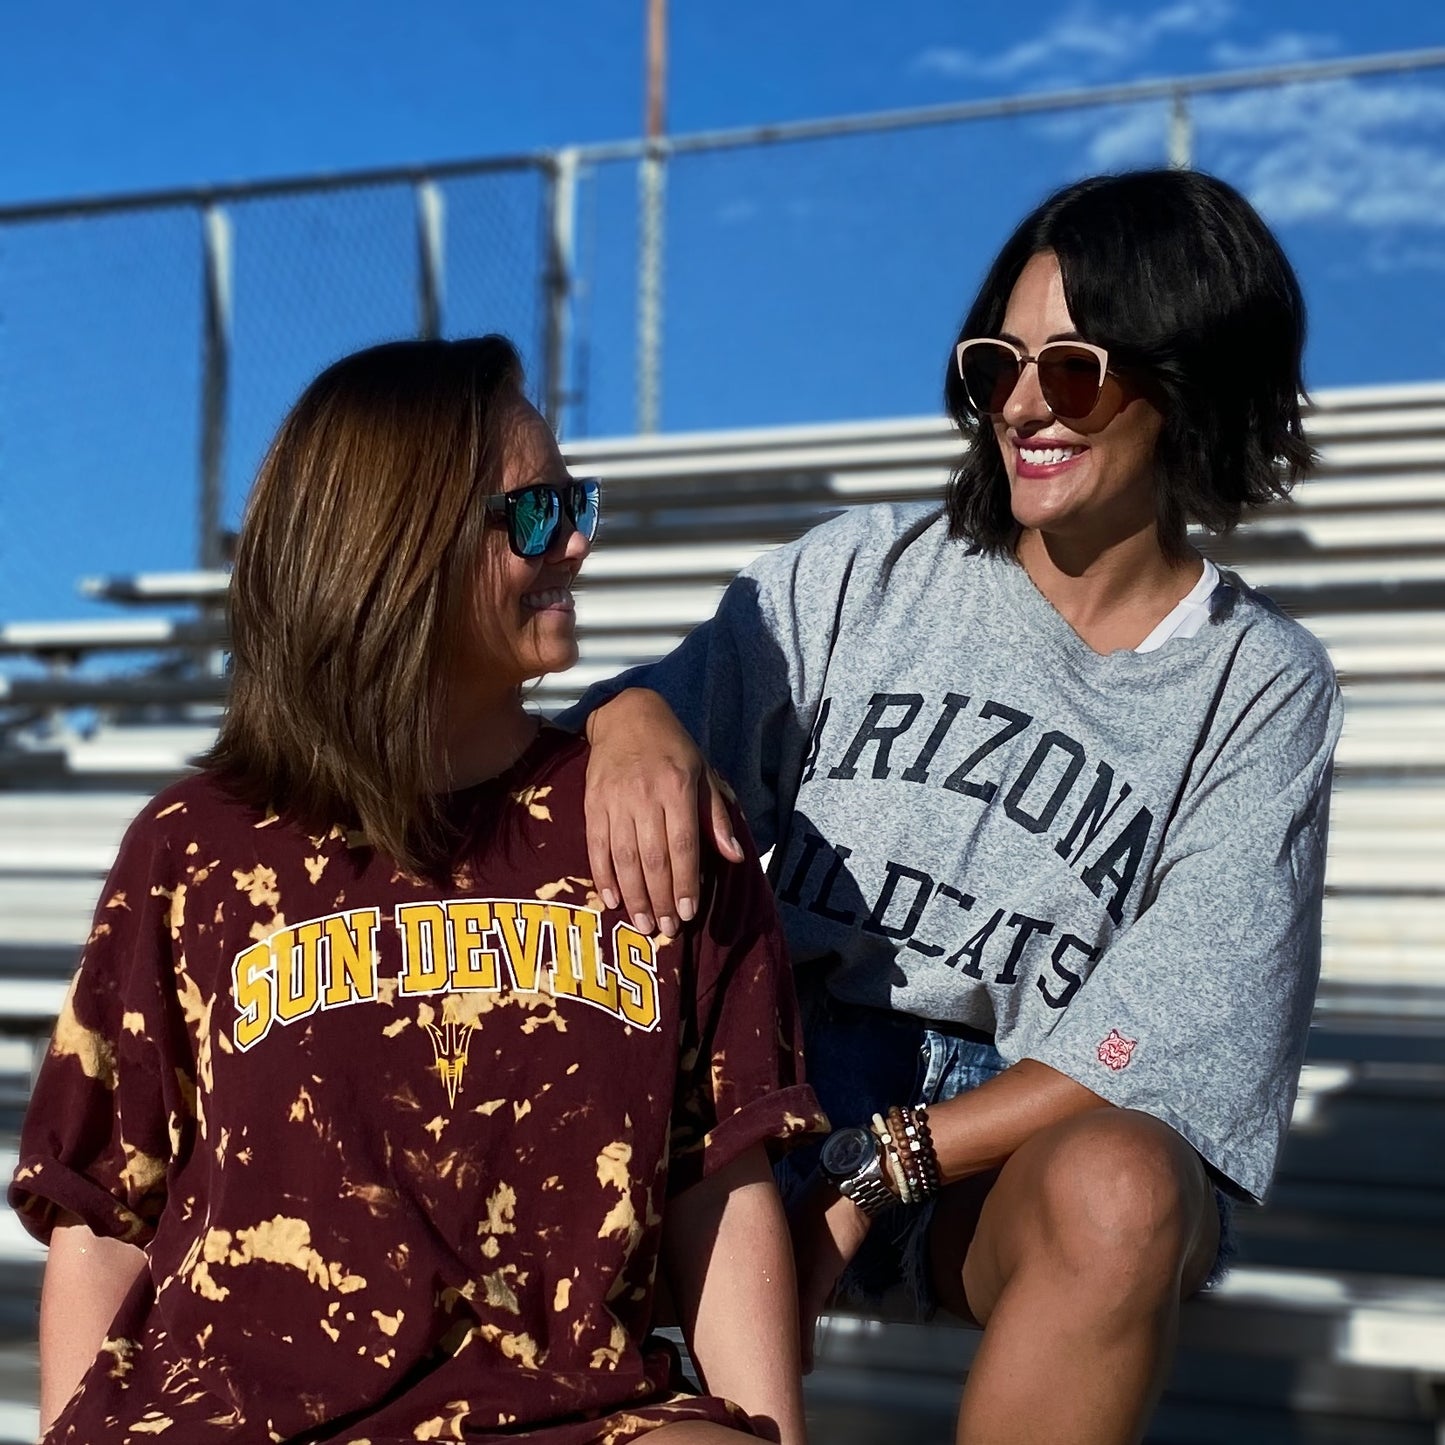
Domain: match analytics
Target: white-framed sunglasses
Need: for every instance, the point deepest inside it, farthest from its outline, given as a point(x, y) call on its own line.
point(1071, 374)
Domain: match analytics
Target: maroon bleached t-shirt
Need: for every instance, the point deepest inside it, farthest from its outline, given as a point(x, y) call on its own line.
point(397, 1151)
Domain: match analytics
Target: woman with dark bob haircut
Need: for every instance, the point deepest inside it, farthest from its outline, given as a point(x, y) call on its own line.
point(1046, 796)
point(365, 1120)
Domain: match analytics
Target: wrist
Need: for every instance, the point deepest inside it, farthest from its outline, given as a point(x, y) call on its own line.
point(620, 704)
point(854, 1163)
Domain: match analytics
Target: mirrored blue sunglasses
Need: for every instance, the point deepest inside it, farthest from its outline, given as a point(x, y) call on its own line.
point(534, 513)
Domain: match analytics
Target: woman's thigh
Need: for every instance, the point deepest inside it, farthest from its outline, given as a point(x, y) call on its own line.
point(1108, 1187)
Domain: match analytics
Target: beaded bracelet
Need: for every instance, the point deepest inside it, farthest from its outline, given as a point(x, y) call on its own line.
point(907, 1157)
point(932, 1174)
point(914, 1141)
point(893, 1160)
point(905, 1139)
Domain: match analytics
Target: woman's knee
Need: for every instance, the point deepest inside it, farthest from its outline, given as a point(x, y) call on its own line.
point(1119, 1193)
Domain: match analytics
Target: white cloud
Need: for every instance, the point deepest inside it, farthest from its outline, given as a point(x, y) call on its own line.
point(1289, 47)
point(1386, 254)
point(1370, 155)
point(1104, 41)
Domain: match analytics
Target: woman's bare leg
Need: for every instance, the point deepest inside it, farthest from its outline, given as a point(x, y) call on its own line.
point(1075, 1265)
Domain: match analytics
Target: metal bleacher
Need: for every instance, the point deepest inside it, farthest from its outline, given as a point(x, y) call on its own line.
point(1332, 1326)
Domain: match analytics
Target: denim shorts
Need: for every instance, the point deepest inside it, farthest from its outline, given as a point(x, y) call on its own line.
point(862, 1060)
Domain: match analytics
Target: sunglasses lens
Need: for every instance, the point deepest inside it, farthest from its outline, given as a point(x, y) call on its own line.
point(533, 519)
point(585, 499)
point(990, 371)
point(1069, 378)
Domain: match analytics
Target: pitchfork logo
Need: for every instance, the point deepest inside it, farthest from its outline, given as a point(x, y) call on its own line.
point(450, 1042)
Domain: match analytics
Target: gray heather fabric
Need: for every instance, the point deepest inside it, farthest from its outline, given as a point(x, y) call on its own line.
point(1112, 863)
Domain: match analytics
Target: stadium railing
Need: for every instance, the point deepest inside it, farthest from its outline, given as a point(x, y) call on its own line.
point(1342, 1284)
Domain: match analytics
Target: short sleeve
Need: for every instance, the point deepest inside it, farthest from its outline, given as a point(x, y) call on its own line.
point(740, 1076)
point(99, 1133)
point(747, 684)
point(1198, 1012)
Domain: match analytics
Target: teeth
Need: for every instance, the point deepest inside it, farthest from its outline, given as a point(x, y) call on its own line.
point(1048, 456)
point(550, 598)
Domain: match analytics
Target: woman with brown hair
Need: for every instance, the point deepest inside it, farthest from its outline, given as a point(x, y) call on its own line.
point(365, 1120)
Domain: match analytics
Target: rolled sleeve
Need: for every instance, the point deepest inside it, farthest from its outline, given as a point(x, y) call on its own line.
point(740, 1073)
point(97, 1141)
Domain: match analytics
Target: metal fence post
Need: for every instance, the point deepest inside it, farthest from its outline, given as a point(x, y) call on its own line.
point(215, 377)
point(561, 220)
point(430, 273)
point(1181, 133)
point(651, 179)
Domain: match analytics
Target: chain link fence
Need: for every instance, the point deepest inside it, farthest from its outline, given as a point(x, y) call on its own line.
point(118, 325)
point(810, 276)
point(809, 273)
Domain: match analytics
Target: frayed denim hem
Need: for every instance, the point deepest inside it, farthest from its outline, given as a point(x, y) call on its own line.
point(1228, 1240)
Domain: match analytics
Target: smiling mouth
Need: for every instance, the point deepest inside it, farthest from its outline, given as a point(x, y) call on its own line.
point(1050, 456)
point(554, 598)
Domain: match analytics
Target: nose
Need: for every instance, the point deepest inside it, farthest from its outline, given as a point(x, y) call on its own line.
point(568, 545)
point(1026, 406)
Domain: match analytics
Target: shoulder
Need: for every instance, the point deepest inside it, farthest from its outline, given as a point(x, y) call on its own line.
point(880, 528)
point(1270, 642)
point(860, 542)
point(196, 808)
point(1280, 681)
point(559, 756)
point(547, 786)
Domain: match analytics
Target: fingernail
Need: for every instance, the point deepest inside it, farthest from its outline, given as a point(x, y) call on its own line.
point(609, 898)
point(643, 922)
point(667, 925)
point(686, 907)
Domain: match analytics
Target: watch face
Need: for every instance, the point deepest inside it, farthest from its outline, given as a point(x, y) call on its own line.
point(846, 1151)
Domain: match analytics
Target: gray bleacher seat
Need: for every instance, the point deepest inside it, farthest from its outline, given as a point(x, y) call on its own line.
point(1341, 1280)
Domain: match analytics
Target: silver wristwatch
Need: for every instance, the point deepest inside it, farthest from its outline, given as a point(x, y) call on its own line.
point(852, 1161)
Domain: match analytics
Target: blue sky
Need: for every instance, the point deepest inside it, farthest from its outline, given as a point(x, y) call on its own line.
point(99, 97)
point(821, 282)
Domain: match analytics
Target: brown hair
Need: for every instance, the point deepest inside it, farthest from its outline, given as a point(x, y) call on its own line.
point(353, 577)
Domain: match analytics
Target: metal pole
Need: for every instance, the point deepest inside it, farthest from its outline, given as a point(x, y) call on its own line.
point(430, 273)
point(651, 180)
point(1181, 133)
point(215, 377)
point(557, 283)
point(651, 184)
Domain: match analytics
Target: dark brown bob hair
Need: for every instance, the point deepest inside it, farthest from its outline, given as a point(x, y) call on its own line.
point(352, 584)
point(1176, 275)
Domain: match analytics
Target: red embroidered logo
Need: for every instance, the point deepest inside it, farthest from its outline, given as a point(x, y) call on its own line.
point(1116, 1050)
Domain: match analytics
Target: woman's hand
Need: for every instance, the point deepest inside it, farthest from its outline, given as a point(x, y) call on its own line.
point(648, 790)
point(828, 1230)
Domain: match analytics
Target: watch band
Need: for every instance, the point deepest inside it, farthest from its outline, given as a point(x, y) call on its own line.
point(868, 1191)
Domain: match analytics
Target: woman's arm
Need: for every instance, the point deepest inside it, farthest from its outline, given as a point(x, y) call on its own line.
point(741, 692)
point(980, 1129)
point(972, 1133)
point(725, 1244)
point(86, 1279)
point(648, 785)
